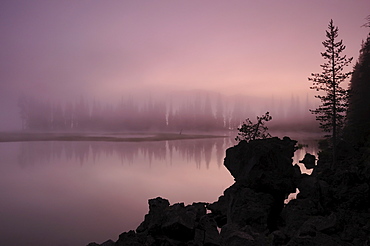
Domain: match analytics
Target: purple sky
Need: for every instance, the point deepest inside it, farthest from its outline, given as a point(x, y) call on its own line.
point(107, 49)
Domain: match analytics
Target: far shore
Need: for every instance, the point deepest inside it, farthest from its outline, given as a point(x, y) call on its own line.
point(105, 137)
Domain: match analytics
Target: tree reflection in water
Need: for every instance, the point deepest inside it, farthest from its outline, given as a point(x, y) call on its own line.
point(197, 151)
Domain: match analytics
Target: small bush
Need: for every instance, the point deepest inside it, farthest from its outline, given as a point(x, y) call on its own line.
point(249, 131)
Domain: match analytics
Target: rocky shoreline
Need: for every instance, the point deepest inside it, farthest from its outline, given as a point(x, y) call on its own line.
point(331, 208)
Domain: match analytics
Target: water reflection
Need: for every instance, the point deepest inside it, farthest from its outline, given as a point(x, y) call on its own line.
point(92, 191)
point(198, 151)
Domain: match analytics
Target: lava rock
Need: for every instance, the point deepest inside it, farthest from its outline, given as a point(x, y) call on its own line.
point(154, 219)
point(309, 161)
point(219, 210)
point(264, 165)
point(206, 232)
point(248, 207)
point(179, 223)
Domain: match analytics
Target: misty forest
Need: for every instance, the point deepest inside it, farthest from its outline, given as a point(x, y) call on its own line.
point(205, 111)
point(258, 166)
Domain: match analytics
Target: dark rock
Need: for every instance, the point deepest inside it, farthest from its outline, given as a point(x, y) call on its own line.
point(313, 188)
point(318, 239)
point(246, 235)
point(355, 197)
point(278, 238)
point(172, 225)
point(297, 212)
point(106, 243)
point(248, 207)
point(93, 244)
point(199, 208)
point(327, 225)
point(354, 226)
point(297, 172)
point(206, 232)
point(154, 219)
point(179, 223)
point(309, 161)
point(219, 210)
point(264, 165)
point(233, 235)
point(130, 238)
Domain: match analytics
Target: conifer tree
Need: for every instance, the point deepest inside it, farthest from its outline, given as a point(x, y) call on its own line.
point(334, 102)
point(358, 127)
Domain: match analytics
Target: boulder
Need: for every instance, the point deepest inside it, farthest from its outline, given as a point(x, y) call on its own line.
point(354, 226)
point(179, 223)
point(318, 239)
point(297, 212)
point(233, 235)
point(355, 197)
point(106, 243)
point(308, 161)
point(206, 232)
point(248, 207)
point(173, 225)
point(314, 224)
point(154, 219)
point(317, 230)
point(130, 238)
point(264, 165)
point(264, 177)
point(219, 210)
point(278, 237)
point(313, 188)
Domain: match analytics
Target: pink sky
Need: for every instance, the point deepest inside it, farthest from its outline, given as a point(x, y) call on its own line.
point(106, 49)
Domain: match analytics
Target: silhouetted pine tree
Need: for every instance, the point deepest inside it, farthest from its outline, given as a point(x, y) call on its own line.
point(331, 113)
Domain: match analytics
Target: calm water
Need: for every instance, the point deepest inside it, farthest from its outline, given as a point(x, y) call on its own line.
point(73, 193)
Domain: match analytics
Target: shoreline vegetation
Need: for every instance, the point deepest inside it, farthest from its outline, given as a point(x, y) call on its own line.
point(105, 137)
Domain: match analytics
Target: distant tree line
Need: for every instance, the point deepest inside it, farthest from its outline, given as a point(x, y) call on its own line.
point(81, 115)
point(203, 112)
point(126, 115)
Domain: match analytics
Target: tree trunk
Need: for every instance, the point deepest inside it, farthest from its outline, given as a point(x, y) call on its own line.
point(334, 123)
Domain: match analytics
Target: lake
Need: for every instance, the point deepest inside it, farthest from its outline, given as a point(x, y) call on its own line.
point(72, 193)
